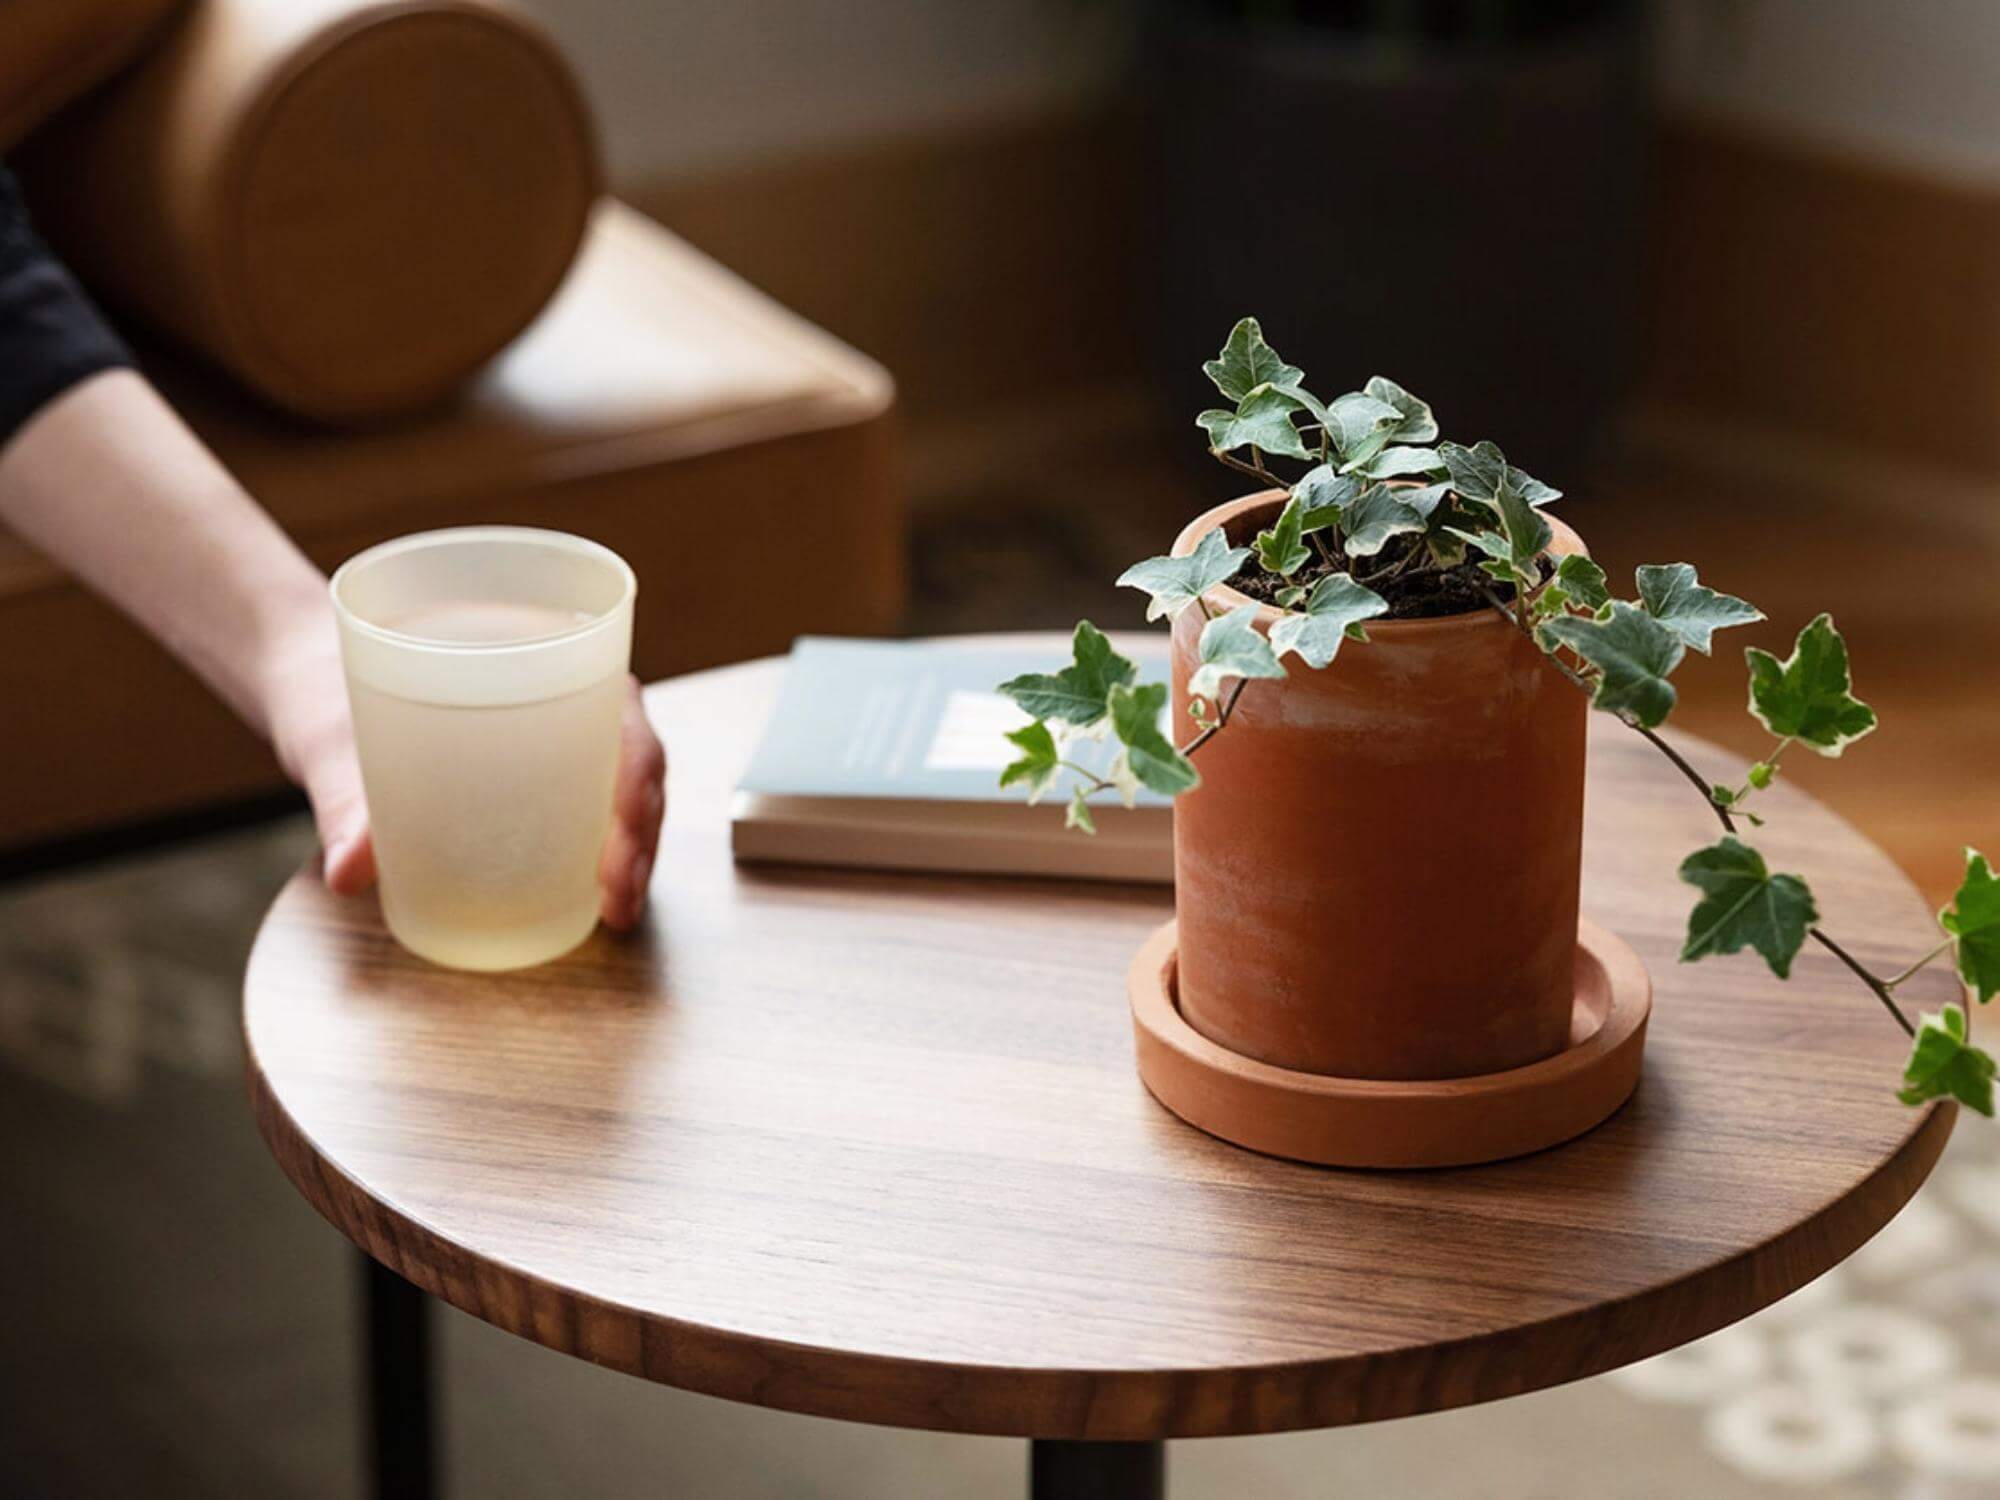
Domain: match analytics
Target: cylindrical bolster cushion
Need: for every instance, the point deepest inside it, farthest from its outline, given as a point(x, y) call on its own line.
point(349, 204)
point(51, 51)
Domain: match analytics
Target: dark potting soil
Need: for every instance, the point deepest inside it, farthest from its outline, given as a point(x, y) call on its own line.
point(1412, 595)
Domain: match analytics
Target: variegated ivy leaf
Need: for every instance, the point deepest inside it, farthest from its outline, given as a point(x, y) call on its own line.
point(1360, 425)
point(1078, 695)
point(1418, 424)
point(1452, 523)
point(1151, 757)
point(1313, 408)
point(1513, 549)
point(1247, 362)
point(1527, 531)
point(1173, 583)
point(1552, 600)
point(1744, 905)
point(1333, 613)
point(1232, 646)
point(1396, 463)
point(1424, 499)
point(1262, 420)
point(1498, 554)
point(1673, 595)
point(1447, 546)
point(1584, 589)
point(1582, 581)
point(1532, 489)
point(1634, 655)
point(1322, 495)
point(1280, 548)
point(1974, 919)
point(1945, 1065)
point(1381, 512)
point(1478, 473)
point(1805, 697)
point(1077, 814)
point(1040, 763)
point(1123, 782)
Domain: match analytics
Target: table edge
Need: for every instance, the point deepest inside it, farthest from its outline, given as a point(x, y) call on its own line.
point(1100, 1404)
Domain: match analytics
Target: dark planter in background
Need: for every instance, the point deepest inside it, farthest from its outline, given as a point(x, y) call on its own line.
point(1458, 209)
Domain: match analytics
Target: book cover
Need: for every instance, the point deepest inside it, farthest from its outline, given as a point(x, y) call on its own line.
point(889, 753)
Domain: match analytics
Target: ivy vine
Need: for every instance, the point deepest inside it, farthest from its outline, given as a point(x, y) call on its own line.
point(1383, 499)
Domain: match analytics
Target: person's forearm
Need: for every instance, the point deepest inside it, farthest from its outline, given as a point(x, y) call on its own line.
point(108, 482)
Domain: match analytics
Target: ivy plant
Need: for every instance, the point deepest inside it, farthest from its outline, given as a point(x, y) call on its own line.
point(1382, 503)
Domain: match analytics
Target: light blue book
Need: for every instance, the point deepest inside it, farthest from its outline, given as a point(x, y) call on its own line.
point(888, 754)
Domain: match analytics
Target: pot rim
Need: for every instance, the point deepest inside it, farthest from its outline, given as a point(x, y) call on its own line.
point(1564, 542)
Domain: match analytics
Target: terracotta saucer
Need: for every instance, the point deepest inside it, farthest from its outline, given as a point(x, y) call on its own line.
point(1366, 1122)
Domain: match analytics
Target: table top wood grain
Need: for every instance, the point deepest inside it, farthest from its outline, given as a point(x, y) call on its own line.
point(872, 1146)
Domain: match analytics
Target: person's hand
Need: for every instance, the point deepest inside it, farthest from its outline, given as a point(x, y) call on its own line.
point(306, 709)
point(314, 738)
point(638, 803)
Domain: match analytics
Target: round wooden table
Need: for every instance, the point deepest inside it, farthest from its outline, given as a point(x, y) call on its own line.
point(872, 1146)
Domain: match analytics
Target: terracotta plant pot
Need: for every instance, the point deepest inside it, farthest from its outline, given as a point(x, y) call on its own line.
point(1378, 875)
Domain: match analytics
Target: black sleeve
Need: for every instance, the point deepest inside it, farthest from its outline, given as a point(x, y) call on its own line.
point(51, 336)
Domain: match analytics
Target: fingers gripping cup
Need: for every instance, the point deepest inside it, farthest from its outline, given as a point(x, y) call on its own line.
point(486, 669)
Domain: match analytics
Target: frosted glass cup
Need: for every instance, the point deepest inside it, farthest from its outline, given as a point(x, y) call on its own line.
point(486, 668)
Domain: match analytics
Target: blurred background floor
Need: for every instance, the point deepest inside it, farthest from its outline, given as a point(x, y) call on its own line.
point(147, 1354)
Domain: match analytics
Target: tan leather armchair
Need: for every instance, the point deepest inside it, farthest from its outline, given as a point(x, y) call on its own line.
point(360, 243)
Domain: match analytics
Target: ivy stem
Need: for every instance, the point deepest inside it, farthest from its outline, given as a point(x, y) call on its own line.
point(1227, 708)
point(1255, 470)
point(1881, 990)
point(1742, 793)
point(1093, 782)
point(1097, 783)
point(1500, 607)
point(1879, 987)
point(1680, 761)
point(1920, 965)
point(1411, 556)
point(1391, 571)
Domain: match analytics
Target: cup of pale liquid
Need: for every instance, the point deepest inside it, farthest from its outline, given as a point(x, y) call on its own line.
point(486, 669)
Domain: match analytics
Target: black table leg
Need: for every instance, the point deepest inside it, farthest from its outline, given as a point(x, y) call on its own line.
point(397, 1385)
point(1096, 1471)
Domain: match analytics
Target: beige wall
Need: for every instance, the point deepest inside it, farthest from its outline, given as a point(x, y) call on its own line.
point(689, 89)
point(684, 88)
point(1908, 84)
point(1852, 147)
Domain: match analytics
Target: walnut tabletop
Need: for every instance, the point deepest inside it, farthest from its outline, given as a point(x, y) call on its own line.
point(873, 1147)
